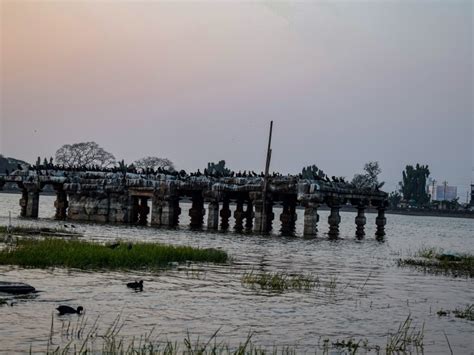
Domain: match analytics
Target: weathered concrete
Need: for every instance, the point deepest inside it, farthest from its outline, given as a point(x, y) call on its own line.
point(213, 215)
point(117, 197)
point(360, 221)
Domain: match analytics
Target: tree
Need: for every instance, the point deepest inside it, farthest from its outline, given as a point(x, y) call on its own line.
point(154, 163)
point(394, 199)
point(369, 180)
point(218, 169)
point(84, 154)
point(413, 184)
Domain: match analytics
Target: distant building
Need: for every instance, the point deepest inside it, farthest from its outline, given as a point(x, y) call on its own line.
point(472, 195)
point(444, 192)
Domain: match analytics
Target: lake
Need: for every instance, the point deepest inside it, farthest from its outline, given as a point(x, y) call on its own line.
point(371, 298)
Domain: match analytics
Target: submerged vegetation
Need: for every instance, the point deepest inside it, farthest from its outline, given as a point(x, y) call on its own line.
point(433, 260)
point(15, 230)
point(50, 252)
point(281, 281)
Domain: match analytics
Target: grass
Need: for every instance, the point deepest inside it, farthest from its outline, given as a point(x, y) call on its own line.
point(52, 252)
point(279, 281)
point(463, 313)
point(434, 261)
point(79, 337)
point(35, 230)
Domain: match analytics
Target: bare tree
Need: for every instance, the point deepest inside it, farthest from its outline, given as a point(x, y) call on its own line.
point(84, 154)
point(368, 180)
point(154, 163)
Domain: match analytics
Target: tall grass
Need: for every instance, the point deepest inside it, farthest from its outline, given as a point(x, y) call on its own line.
point(50, 252)
point(81, 338)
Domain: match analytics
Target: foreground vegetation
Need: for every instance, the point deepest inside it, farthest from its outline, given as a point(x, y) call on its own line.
point(81, 338)
point(50, 252)
point(433, 260)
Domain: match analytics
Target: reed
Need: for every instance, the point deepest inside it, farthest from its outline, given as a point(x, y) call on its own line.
point(434, 261)
point(279, 281)
point(52, 252)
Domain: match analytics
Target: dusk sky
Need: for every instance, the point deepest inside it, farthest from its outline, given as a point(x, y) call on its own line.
point(345, 83)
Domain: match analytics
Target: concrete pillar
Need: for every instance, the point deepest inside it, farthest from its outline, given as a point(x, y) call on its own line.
point(197, 211)
point(239, 215)
point(23, 202)
point(61, 204)
point(334, 219)
point(225, 214)
point(380, 222)
point(249, 216)
point(263, 222)
point(156, 211)
point(288, 217)
point(311, 219)
point(213, 215)
point(360, 221)
point(32, 205)
point(143, 211)
point(170, 211)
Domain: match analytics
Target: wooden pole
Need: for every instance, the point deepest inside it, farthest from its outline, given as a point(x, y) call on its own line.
point(265, 180)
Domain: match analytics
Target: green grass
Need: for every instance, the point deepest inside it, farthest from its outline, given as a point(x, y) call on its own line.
point(51, 252)
point(433, 260)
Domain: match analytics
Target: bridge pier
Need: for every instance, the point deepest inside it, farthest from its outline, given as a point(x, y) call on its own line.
point(213, 215)
point(225, 214)
point(170, 211)
point(263, 221)
point(360, 221)
point(23, 202)
point(380, 222)
point(311, 219)
point(61, 203)
point(288, 217)
point(156, 211)
point(30, 205)
point(197, 211)
point(239, 215)
point(249, 216)
point(334, 219)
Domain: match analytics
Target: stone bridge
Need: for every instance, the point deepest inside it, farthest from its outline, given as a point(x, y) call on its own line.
point(117, 197)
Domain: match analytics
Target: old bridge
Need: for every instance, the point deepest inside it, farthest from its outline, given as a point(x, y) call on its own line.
point(117, 197)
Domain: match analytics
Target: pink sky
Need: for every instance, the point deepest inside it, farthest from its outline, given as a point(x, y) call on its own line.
point(195, 82)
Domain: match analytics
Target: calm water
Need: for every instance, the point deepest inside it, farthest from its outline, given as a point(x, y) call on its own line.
point(372, 297)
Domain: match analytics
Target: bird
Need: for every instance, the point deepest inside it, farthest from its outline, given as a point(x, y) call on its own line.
point(69, 310)
point(136, 285)
point(113, 246)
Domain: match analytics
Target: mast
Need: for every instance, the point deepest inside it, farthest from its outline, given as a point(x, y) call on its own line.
point(265, 180)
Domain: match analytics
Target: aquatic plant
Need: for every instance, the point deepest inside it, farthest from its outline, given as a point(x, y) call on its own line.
point(465, 313)
point(81, 338)
point(51, 252)
point(279, 281)
point(434, 261)
point(35, 230)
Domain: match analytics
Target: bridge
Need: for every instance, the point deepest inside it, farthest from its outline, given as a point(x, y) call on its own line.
point(119, 197)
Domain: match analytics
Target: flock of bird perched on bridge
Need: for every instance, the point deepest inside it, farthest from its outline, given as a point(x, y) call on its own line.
point(312, 173)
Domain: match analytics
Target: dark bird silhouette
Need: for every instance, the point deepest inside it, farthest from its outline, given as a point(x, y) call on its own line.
point(69, 310)
point(137, 286)
point(129, 247)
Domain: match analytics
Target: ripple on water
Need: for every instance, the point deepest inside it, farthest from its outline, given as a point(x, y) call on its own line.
point(372, 295)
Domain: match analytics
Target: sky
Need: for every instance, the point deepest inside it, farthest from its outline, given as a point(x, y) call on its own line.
point(344, 82)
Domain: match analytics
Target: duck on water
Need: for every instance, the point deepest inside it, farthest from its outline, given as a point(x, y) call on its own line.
point(137, 286)
point(69, 310)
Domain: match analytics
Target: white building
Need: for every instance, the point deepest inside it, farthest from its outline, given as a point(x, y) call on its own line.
point(442, 192)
